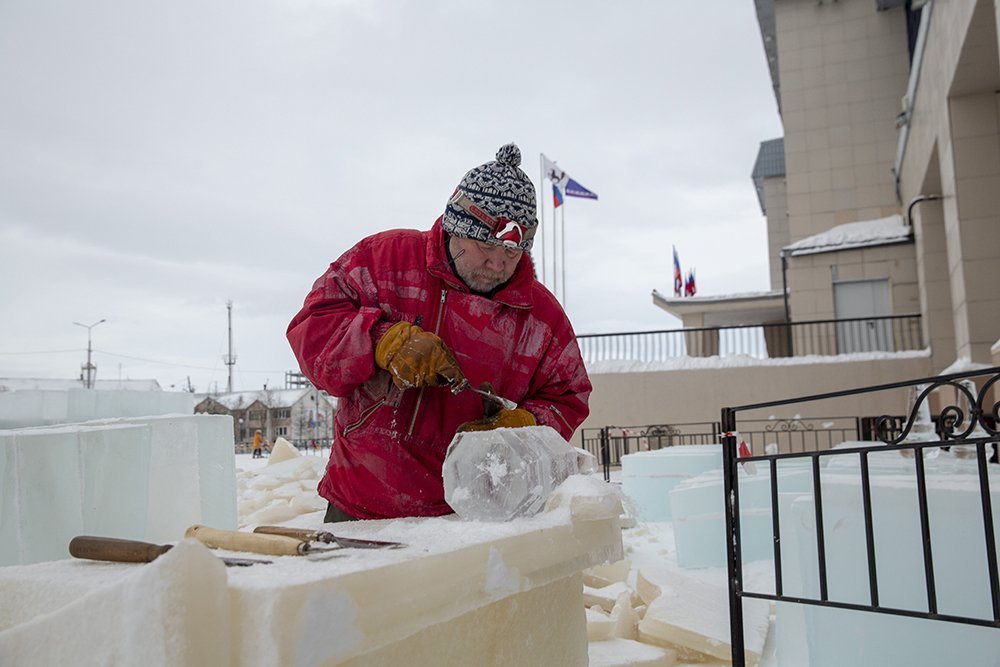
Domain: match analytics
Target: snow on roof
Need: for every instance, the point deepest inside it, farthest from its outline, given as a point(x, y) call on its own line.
point(738, 296)
point(964, 365)
point(274, 398)
point(52, 384)
point(853, 235)
point(739, 361)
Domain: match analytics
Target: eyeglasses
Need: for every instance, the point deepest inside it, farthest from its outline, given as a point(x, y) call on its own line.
point(510, 234)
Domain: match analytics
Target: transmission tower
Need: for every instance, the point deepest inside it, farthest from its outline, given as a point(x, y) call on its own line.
point(230, 358)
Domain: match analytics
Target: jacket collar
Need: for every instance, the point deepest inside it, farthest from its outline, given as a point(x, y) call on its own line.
point(517, 291)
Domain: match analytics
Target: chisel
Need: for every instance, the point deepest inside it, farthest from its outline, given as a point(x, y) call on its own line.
point(505, 403)
point(258, 543)
point(132, 551)
point(308, 535)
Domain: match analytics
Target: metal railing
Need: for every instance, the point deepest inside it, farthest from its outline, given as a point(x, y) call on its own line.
point(970, 426)
point(798, 434)
point(892, 333)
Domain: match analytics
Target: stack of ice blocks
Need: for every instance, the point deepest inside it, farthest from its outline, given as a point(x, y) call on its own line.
point(40, 407)
point(648, 477)
point(699, 513)
point(961, 576)
point(145, 478)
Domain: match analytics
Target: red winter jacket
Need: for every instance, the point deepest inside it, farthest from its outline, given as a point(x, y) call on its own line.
point(389, 444)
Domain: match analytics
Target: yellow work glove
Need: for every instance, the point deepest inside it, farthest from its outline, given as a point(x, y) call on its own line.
point(496, 417)
point(416, 358)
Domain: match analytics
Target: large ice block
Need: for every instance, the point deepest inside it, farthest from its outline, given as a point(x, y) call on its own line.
point(505, 473)
point(648, 477)
point(45, 407)
point(144, 478)
point(65, 481)
point(192, 473)
point(494, 594)
point(699, 513)
point(960, 573)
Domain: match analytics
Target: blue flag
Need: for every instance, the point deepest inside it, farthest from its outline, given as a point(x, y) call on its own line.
point(562, 184)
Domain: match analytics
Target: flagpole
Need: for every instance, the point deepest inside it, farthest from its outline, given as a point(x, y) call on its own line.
point(541, 213)
point(563, 207)
point(555, 246)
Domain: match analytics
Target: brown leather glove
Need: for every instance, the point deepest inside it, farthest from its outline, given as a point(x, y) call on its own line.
point(416, 358)
point(503, 419)
point(496, 417)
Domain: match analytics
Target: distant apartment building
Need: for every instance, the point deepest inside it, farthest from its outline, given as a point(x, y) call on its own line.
point(299, 415)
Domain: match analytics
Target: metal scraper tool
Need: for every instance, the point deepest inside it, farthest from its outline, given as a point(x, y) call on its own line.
point(506, 403)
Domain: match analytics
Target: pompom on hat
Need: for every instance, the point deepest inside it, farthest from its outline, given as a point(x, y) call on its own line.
point(494, 203)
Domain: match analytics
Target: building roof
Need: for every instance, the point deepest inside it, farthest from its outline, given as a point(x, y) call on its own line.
point(55, 384)
point(864, 234)
point(769, 35)
point(726, 309)
point(770, 164)
point(272, 398)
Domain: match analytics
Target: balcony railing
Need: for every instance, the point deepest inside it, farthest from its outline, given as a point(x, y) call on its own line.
point(892, 333)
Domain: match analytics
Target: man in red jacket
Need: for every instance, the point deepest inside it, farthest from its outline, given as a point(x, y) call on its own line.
point(405, 317)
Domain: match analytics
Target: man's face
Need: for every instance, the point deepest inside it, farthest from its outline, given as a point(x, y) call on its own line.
point(483, 266)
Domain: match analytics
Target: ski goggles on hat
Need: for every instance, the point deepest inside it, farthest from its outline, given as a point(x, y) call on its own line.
point(504, 231)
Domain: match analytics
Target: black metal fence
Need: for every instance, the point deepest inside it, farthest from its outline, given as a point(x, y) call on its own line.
point(799, 434)
point(969, 424)
point(893, 333)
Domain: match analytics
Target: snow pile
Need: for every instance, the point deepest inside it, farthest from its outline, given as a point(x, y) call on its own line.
point(281, 490)
point(853, 235)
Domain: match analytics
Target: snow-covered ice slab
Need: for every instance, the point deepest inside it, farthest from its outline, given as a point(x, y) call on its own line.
point(145, 478)
point(691, 617)
point(648, 477)
point(462, 592)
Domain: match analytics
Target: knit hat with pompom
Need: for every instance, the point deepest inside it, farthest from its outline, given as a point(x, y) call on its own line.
point(494, 203)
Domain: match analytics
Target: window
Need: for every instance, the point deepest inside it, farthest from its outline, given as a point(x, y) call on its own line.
point(284, 413)
point(257, 416)
point(282, 430)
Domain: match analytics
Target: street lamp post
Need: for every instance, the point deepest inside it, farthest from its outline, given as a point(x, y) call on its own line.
point(88, 370)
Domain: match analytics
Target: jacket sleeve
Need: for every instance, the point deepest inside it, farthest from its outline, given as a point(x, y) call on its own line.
point(560, 389)
point(334, 335)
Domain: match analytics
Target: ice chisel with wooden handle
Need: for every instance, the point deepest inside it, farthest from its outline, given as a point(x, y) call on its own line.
point(258, 543)
point(132, 551)
point(307, 535)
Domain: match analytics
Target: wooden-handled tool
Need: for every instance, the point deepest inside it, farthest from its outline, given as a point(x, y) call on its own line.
point(308, 535)
point(234, 540)
point(131, 551)
point(272, 545)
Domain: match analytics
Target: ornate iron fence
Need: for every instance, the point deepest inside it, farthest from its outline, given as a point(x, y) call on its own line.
point(970, 424)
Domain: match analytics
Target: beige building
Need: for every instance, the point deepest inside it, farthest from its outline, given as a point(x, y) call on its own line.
point(297, 415)
point(882, 202)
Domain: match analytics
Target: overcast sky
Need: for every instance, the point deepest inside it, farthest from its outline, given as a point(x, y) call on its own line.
point(160, 158)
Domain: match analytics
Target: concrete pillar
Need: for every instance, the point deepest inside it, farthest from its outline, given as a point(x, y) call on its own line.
point(971, 223)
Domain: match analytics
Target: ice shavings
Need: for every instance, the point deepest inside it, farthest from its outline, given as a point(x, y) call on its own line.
point(280, 491)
